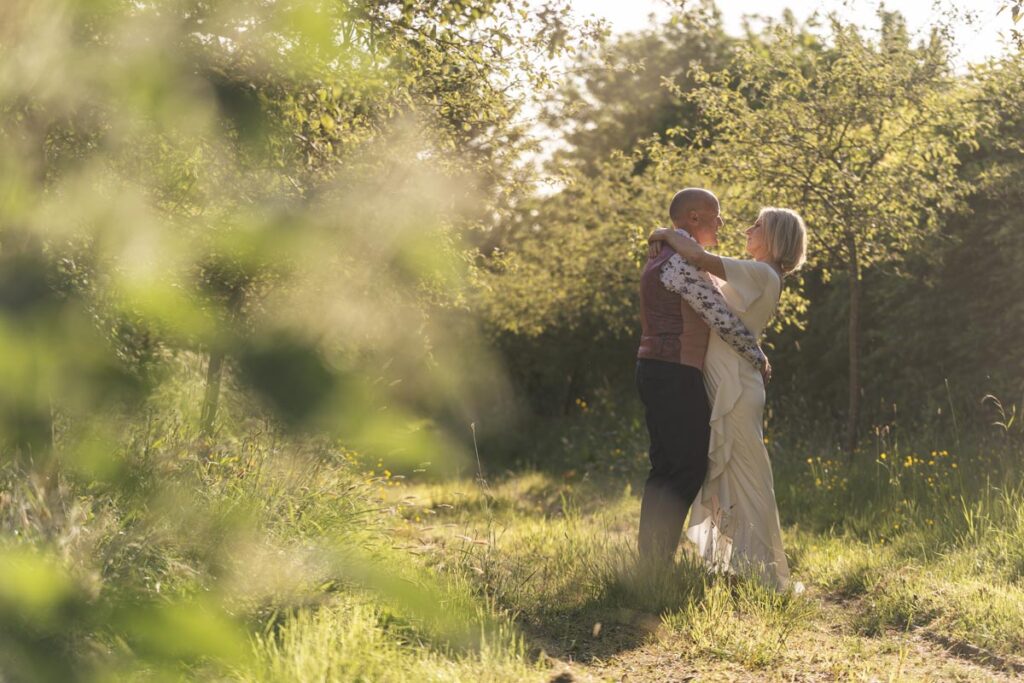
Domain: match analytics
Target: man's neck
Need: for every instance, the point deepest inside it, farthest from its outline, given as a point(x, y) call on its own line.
point(688, 234)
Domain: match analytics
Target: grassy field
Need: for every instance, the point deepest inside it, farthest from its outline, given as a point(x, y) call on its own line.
point(556, 557)
point(912, 560)
point(325, 567)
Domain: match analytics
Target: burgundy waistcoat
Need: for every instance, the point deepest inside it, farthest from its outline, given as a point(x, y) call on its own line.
point(672, 331)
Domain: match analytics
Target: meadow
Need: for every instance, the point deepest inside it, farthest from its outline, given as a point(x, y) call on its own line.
point(332, 567)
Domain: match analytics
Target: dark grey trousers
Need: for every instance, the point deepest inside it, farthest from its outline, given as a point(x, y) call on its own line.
point(678, 421)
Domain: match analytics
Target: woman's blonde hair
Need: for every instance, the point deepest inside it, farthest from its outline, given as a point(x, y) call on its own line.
point(786, 237)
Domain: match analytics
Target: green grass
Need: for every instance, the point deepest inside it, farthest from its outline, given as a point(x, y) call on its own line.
point(747, 623)
point(911, 545)
point(355, 639)
point(199, 551)
point(328, 567)
point(562, 568)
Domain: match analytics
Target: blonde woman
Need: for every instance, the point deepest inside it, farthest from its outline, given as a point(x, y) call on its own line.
point(734, 520)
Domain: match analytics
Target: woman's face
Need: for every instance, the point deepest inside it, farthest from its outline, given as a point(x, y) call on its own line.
point(756, 246)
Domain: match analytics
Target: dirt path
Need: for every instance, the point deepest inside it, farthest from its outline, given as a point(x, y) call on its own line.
point(635, 648)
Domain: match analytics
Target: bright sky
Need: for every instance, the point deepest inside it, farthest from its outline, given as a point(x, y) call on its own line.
point(975, 41)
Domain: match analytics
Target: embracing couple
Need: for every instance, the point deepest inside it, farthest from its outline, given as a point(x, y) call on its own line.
point(703, 393)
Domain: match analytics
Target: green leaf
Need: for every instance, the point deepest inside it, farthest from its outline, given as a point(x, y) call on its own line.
point(184, 631)
point(31, 584)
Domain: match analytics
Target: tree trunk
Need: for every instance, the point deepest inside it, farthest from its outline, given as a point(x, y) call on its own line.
point(212, 397)
point(853, 408)
point(215, 369)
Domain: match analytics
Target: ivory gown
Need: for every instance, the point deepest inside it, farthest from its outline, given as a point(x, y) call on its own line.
point(734, 520)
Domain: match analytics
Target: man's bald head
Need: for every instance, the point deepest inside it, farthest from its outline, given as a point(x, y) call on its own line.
point(697, 211)
point(691, 199)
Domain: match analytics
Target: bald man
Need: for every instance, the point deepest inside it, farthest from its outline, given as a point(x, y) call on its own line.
point(679, 306)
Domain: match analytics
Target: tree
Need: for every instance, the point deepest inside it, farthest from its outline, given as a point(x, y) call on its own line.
point(860, 135)
point(615, 93)
point(1016, 8)
point(279, 108)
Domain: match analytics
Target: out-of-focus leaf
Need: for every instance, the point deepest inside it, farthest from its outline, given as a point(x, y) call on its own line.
point(24, 276)
point(31, 585)
point(241, 105)
point(290, 375)
point(184, 631)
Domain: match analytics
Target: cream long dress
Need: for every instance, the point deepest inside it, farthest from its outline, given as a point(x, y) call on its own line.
point(734, 520)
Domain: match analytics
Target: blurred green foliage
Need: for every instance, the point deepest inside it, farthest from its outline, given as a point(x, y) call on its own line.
point(225, 224)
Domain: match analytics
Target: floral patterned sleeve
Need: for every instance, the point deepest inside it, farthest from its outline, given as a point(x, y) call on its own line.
point(681, 277)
